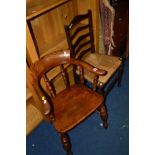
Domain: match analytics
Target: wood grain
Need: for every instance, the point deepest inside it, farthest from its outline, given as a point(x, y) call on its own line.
point(81, 102)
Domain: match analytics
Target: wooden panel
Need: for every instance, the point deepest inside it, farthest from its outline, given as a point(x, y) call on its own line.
point(28, 94)
point(37, 102)
point(75, 6)
point(49, 28)
point(68, 11)
point(83, 6)
point(33, 116)
point(95, 15)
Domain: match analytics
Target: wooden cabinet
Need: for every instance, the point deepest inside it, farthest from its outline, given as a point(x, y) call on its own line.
point(45, 24)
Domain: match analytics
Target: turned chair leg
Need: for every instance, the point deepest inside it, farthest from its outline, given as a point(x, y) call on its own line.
point(103, 114)
point(66, 143)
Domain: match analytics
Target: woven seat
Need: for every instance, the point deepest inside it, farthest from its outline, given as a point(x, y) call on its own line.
point(105, 62)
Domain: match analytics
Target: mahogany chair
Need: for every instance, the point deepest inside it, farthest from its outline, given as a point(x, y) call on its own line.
point(80, 39)
point(72, 105)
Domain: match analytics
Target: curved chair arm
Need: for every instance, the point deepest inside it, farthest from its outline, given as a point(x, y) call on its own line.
point(90, 68)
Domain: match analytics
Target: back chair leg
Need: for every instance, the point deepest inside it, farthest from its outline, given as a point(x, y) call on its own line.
point(66, 143)
point(120, 73)
point(103, 114)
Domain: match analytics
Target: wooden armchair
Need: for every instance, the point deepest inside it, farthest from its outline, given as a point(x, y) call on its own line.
point(80, 39)
point(72, 105)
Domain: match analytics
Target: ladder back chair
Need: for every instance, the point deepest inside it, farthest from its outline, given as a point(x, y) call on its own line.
point(80, 39)
point(72, 105)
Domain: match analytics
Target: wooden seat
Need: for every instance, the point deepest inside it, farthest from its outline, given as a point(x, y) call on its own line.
point(75, 97)
point(75, 103)
point(80, 39)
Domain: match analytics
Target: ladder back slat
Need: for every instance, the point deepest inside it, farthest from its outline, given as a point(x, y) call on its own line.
point(77, 19)
point(81, 46)
point(79, 29)
point(80, 39)
point(84, 52)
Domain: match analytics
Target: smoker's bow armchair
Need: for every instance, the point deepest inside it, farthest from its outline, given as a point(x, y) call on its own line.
point(72, 105)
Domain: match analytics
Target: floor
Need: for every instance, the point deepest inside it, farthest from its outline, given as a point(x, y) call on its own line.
point(90, 138)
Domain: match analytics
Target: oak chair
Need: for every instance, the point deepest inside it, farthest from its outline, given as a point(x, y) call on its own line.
point(72, 105)
point(80, 39)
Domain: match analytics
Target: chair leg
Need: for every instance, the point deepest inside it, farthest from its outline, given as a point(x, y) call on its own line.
point(103, 114)
point(66, 143)
point(120, 73)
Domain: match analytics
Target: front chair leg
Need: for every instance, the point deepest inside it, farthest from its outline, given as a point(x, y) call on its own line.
point(66, 143)
point(103, 114)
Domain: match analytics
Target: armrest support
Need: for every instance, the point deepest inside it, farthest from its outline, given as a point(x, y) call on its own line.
point(98, 72)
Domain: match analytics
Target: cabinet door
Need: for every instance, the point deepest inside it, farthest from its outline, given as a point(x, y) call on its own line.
point(48, 28)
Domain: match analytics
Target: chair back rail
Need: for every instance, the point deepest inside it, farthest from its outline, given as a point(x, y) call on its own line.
point(79, 29)
point(79, 44)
